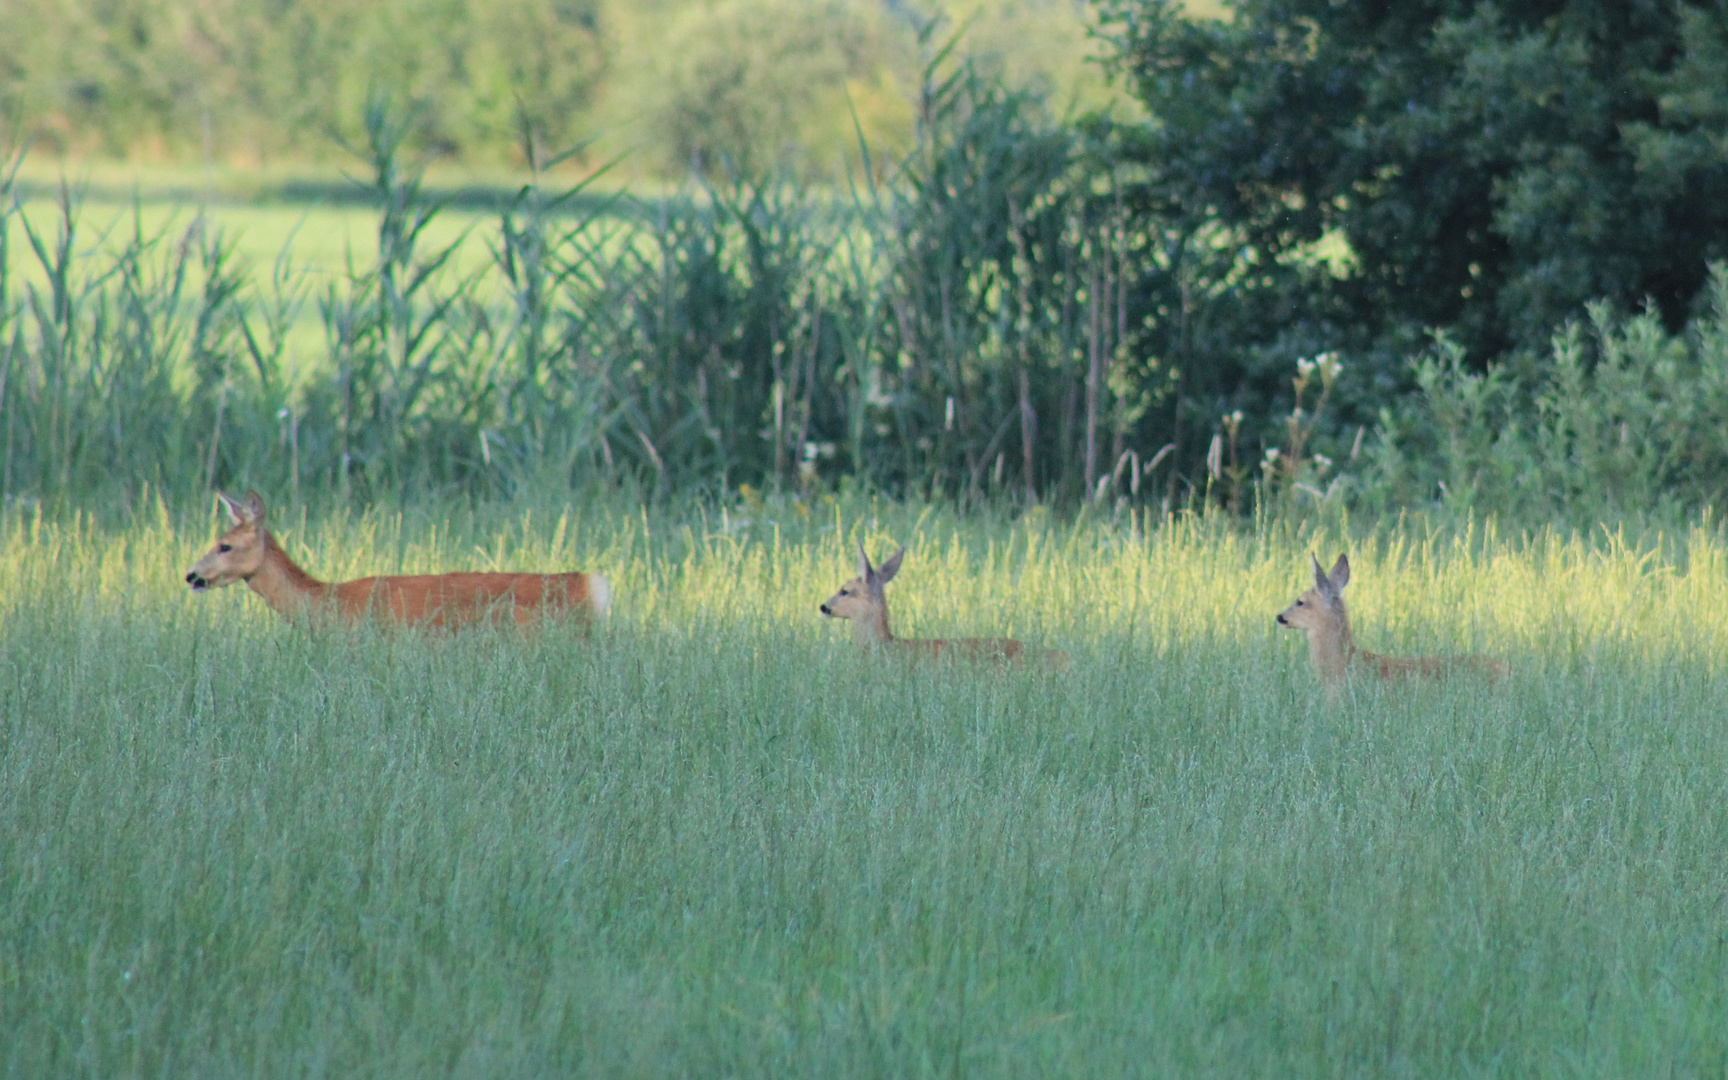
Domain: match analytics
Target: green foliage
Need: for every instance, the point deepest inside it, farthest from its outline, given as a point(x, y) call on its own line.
point(985, 213)
point(1621, 419)
point(1684, 152)
point(965, 324)
point(249, 80)
point(92, 366)
point(1491, 167)
point(1018, 308)
point(754, 86)
point(750, 85)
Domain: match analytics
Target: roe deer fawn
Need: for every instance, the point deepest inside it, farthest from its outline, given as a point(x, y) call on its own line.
point(248, 553)
point(864, 603)
point(1320, 614)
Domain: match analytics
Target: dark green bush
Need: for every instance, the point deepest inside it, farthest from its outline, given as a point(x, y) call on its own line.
point(1377, 170)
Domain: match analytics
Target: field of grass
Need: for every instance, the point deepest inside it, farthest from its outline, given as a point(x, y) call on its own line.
point(320, 215)
point(714, 841)
point(320, 241)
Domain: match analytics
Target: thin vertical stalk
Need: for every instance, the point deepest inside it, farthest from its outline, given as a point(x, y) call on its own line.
point(1094, 368)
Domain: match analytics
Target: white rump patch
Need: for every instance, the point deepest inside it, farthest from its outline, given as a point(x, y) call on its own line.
point(599, 593)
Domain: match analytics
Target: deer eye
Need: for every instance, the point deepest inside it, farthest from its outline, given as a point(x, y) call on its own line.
point(224, 547)
point(1300, 601)
point(845, 592)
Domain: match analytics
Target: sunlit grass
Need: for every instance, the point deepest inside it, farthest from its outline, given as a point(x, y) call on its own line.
point(714, 841)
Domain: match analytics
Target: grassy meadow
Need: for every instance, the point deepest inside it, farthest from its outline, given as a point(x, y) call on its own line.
point(711, 840)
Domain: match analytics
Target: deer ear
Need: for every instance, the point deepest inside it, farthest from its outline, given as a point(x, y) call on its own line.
point(865, 570)
point(1340, 574)
point(891, 567)
point(1321, 581)
point(254, 508)
point(235, 508)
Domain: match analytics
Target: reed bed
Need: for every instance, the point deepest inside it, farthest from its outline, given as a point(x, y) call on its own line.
point(713, 840)
point(927, 331)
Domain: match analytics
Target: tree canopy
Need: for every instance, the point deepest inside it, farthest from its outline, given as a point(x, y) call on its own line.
point(1491, 167)
point(762, 85)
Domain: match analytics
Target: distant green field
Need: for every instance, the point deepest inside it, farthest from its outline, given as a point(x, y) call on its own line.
point(318, 238)
point(715, 841)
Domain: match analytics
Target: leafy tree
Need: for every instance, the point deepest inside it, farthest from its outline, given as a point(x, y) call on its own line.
point(111, 73)
point(1492, 168)
point(756, 85)
point(263, 77)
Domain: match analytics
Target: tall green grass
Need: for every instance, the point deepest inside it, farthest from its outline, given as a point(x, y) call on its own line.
point(928, 331)
point(713, 840)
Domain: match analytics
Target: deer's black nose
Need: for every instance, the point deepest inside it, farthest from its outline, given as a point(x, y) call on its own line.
point(824, 610)
point(194, 580)
point(1281, 621)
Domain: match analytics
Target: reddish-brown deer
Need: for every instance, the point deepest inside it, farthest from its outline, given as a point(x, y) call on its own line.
point(247, 552)
point(864, 603)
point(1320, 614)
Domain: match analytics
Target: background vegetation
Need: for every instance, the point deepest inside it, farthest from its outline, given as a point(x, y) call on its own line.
point(1024, 290)
point(1476, 167)
point(747, 332)
point(763, 84)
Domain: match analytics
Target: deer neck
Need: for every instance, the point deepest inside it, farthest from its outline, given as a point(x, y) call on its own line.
point(288, 589)
point(1333, 650)
point(871, 631)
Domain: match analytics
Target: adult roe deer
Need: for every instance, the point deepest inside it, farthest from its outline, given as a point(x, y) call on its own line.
point(864, 603)
point(248, 553)
point(1320, 614)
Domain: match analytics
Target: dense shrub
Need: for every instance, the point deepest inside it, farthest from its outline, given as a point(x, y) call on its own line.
point(1377, 170)
point(1619, 419)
